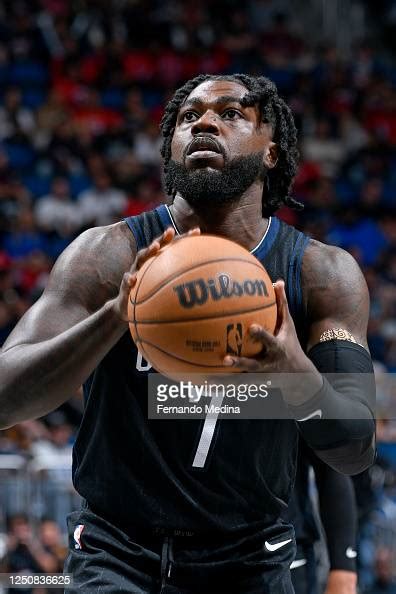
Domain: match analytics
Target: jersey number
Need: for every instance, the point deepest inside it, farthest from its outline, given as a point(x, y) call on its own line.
point(209, 426)
point(208, 431)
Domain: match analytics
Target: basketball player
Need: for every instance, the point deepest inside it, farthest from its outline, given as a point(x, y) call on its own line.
point(152, 520)
point(337, 507)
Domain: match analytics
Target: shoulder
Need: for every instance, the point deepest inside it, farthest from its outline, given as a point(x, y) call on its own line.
point(104, 244)
point(330, 268)
point(92, 266)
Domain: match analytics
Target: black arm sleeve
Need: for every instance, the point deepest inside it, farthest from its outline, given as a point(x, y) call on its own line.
point(338, 422)
point(338, 514)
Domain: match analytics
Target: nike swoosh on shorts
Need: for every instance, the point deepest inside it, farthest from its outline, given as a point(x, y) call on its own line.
point(317, 414)
point(298, 563)
point(277, 545)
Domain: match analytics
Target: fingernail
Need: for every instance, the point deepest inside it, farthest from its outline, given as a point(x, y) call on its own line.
point(228, 361)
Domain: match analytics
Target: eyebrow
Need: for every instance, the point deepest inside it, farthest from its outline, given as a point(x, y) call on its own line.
point(219, 100)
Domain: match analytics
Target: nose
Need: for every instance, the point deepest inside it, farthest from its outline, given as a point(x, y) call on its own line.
point(208, 122)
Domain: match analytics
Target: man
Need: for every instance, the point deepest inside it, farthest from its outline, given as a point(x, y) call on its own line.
point(339, 522)
point(152, 521)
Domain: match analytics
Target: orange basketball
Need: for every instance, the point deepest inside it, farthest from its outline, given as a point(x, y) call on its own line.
point(194, 302)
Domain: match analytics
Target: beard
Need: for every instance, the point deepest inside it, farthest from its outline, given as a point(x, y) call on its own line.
point(212, 186)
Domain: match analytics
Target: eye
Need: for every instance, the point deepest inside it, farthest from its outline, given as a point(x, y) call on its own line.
point(189, 116)
point(231, 114)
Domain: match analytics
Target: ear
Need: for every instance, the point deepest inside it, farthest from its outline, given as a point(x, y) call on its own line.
point(271, 155)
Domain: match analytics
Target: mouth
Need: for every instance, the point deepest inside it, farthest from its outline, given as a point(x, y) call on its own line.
point(204, 145)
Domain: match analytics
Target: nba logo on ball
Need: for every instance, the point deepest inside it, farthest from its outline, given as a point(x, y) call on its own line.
point(77, 536)
point(234, 339)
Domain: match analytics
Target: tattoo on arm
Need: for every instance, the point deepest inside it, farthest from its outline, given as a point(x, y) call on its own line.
point(337, 334)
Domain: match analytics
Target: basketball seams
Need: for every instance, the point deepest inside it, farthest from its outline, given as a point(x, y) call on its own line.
point(189, 269)
point(207, 317)
point(134, 302)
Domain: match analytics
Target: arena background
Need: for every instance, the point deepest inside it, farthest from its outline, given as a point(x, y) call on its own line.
point(82, 88)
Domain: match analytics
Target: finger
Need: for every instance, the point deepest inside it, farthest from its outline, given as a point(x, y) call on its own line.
point(128, 282)
point(167, 236)
point(195, 231)
point(259, 334)
point(131, 281)
point(281, 298)
point(281, 304)
point(242, 363)
point(149, 252)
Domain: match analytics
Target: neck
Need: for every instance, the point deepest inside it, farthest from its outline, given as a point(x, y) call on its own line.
point(242, 221)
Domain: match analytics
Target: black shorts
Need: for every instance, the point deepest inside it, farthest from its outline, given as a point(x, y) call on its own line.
point(304, 570)
point(104, 558)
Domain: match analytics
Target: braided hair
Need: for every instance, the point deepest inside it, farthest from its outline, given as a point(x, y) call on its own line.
point(273, 110)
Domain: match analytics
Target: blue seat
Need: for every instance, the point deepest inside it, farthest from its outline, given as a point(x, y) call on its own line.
point(21, 156)
point(38, 185)
point(79, 183)
point(33, 97)
point(113, 98)
point(27, 73)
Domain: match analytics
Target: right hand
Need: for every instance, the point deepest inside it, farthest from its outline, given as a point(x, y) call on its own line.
point(130, 277)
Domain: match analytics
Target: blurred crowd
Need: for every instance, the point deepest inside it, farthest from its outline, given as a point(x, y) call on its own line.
point(82, 89)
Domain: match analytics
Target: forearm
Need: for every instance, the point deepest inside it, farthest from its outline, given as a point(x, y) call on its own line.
point(36, 378)
point(338, 421)
point(339, 521)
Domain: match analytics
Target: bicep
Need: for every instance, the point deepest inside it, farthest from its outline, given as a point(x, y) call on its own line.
point(336, 294)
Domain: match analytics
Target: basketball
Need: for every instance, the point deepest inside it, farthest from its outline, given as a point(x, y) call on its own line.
point(193, 303)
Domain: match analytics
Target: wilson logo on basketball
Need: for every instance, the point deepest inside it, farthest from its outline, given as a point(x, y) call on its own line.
point(197, 292)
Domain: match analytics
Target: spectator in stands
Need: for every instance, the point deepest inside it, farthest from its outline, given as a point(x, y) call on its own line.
point(13, 195)
point(324, 148)
point(57, 212)
point(52, 457)
point(55, 451)
point(25, 553)
point(50, 115)
point(102, 204)
point(50, 538)
point(385, 582)
point(147, 145)
point(25, 238)
point(16, 122)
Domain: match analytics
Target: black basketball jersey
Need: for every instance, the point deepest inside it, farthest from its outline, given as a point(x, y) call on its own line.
point(139, 471)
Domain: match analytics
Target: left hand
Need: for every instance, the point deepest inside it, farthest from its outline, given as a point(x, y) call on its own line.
point(282, 351)
point(341, 582)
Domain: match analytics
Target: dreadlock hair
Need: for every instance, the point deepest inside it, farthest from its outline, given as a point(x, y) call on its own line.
point(273, 110)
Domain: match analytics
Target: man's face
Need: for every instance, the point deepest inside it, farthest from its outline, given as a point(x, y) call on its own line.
point(219, 148)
